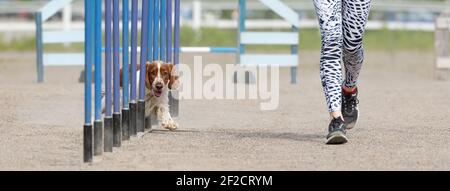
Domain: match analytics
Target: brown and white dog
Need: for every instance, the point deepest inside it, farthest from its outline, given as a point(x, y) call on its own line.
point(160, 77)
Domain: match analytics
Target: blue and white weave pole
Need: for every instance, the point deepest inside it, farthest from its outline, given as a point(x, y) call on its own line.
point(108, 119)
point(125, 52)
point(169, 31)
point(108, 56)
point(87, 127)
point(98, 124)
point(125, 71)
point(98, 59)
point(176, 49)
point(174, 102)
point(149, 53)
point(143, 56)
point(144, 39)
point(169, 52)
point(151, 8)
point(117, 129)
point(162, 32)
point(116, 56)
point(134, 34)
point(156, 31)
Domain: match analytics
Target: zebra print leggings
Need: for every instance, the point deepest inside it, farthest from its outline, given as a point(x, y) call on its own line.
point(342, 25)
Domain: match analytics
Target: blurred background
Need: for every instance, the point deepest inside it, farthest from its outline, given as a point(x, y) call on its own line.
point(393, 23)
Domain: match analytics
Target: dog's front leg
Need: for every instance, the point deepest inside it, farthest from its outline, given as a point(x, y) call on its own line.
point(165, 119)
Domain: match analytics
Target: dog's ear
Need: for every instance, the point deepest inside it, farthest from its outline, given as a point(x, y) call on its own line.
point(173, 83)
point(148, 66)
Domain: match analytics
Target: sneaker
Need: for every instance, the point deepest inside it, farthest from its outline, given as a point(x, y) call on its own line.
point(349, 109)
point(336, 132)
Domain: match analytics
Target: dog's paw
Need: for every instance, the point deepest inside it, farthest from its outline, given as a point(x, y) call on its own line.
point(172, 125)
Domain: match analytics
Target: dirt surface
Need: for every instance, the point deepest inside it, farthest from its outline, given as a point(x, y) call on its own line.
point(404, 123)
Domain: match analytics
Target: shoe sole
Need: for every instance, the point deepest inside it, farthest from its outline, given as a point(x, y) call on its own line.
point(337, 139)
point(353, 124)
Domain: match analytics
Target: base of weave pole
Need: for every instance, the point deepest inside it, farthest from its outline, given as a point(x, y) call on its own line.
point(98, 138)
point(133, 118)
point(140, 116)
point(148, 123)
point(108, 134)
point(174, 103)
point(117, 130)
point(87, 143)
point(125, 124)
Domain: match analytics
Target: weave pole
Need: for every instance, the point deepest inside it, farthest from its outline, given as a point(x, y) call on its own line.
point(125, 72)
point(117, 132)
point(162, 38)
point(144, 40)
point(173, 96)
point(133, 100)
point(176, 56)
point(156, 30)
point(169, 37)
point(87, 128)
point(98, 124)
point(151, 16)
point(148, 54)
point(108, 119)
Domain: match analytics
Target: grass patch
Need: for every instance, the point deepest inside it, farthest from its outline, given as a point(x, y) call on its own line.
point(22, 44)
point(399, 40)
point(379, 40)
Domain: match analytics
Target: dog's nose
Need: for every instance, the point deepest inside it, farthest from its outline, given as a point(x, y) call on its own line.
point(159, 86)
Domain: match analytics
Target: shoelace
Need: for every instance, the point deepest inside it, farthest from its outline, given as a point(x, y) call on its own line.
point(351, 103)
point(336, 124)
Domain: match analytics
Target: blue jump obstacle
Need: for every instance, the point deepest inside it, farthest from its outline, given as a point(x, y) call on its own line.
point(156, 43)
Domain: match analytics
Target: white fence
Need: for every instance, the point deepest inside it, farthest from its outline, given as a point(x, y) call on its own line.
point(203, 13)
point(442, 56)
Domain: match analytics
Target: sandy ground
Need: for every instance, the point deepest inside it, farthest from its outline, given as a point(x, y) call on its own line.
point(405, 123)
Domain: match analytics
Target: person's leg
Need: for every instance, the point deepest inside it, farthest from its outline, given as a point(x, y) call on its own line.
point(355, 15)
point(329, 13)
point(354, 18)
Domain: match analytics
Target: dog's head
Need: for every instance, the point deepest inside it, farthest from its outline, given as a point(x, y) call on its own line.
point(160, 77)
